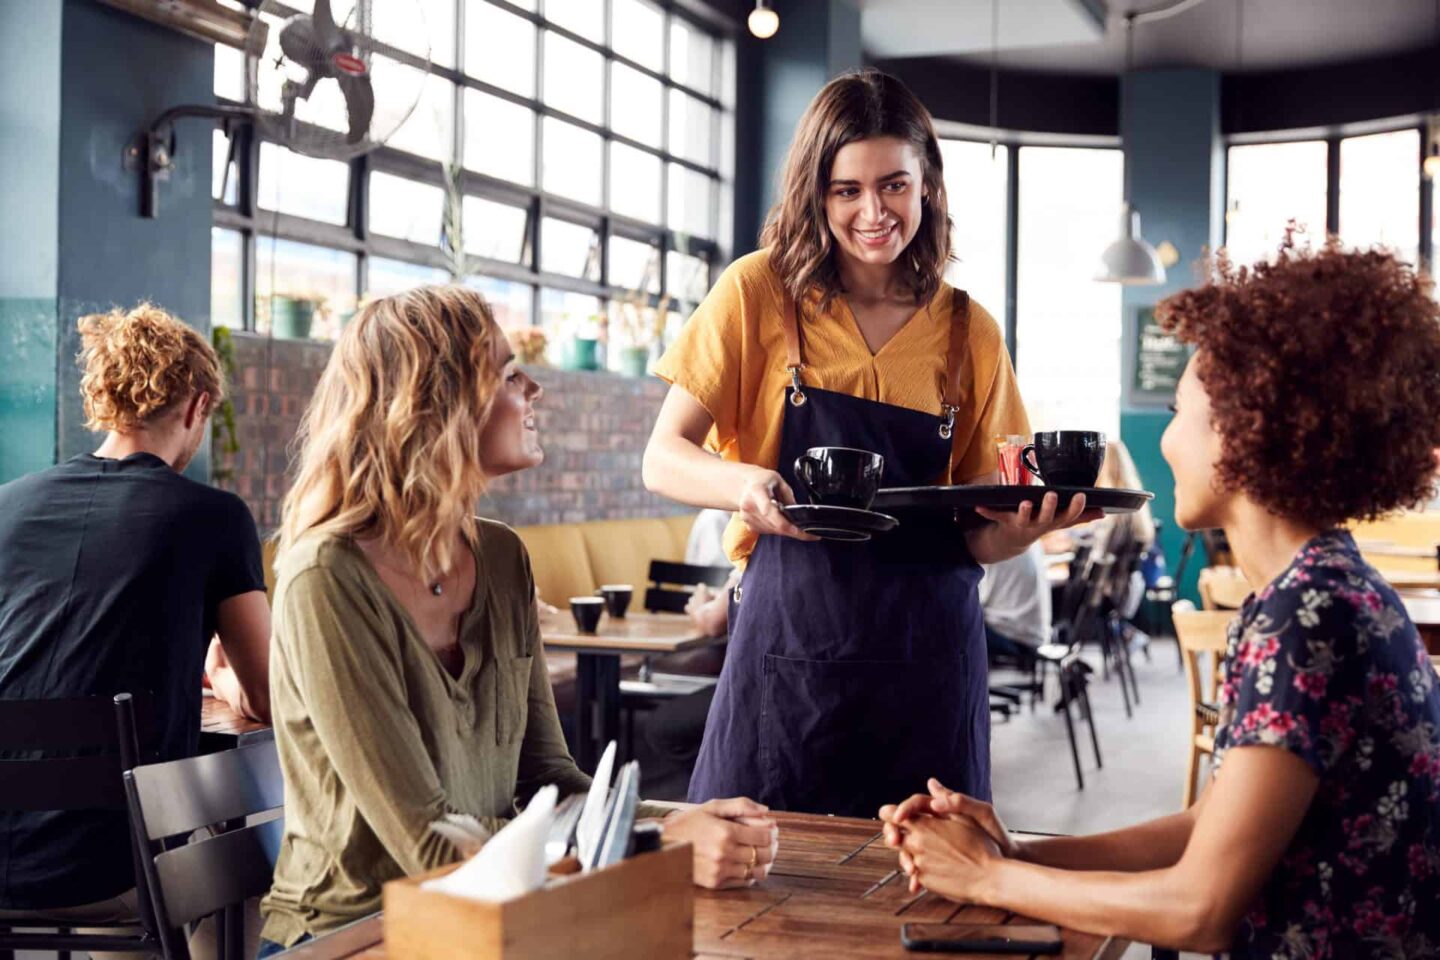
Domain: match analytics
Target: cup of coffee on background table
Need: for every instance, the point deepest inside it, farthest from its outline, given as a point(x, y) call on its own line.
point(840, 476)
point(586, 611)
point(617, 598)
point(1066, 458)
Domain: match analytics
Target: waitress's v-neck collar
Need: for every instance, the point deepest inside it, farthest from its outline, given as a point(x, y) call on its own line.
point(905, 329)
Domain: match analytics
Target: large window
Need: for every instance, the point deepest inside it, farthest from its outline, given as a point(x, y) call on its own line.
point(582, 159)
point(975, 185)
point(1068, 323)
point(1380, 192)
point(1269, 185)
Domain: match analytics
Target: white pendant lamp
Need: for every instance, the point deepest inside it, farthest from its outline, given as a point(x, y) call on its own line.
point(763, 21)
point(1130, 260)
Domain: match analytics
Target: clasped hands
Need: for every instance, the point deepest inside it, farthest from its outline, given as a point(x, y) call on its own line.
point(948, 843)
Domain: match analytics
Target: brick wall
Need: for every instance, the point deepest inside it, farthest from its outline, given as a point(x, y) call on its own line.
point(593, 427)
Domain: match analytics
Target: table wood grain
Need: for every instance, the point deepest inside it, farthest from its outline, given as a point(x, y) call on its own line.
point(834, 894)
point(219, 719)
point(637, 632)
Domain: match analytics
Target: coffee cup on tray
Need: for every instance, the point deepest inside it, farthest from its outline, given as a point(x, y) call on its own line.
point(1066, 458)
point(840, 476)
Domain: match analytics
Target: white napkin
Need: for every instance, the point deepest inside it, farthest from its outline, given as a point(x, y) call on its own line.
point(592, 818)
point(512, 863)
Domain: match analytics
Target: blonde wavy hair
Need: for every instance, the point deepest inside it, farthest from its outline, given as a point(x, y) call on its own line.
point(140, 364)
point(390, 444)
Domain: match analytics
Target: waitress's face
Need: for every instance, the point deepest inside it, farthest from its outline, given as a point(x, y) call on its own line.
point(874, 201)
point(510, 441)
point(1192, 448)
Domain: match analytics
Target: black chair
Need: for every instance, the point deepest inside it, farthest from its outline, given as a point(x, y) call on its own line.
point(215, 874)
point(671, 584)
point(1115, 629)
point(71, 755)
point(1063, 655)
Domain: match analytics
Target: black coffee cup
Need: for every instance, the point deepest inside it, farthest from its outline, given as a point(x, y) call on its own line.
point(586, 611)
point(1066, 458)
point(840, 476)
point(617, 598)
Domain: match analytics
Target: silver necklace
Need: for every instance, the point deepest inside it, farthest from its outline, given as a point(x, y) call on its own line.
point(436, 588)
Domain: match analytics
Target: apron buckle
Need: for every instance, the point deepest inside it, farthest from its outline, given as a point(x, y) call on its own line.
point(947, 425)
point(797, 396)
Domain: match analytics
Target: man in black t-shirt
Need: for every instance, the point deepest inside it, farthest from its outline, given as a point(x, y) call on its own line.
point(115, 574)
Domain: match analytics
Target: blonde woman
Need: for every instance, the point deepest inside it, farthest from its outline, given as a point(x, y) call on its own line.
point(408, 678)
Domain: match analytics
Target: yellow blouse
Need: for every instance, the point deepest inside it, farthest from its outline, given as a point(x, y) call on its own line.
point(730, 357)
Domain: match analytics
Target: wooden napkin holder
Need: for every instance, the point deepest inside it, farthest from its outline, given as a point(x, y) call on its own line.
point(640, 907)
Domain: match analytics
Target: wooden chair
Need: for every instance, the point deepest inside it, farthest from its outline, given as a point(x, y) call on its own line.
point(1201, 632)
point(1223, 588)
point(216, 874)
point(85, 744)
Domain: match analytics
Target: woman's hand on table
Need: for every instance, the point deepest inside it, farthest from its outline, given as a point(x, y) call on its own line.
point(951, 856)
point(761, 496)
point(1009, 533)
point(734, 841)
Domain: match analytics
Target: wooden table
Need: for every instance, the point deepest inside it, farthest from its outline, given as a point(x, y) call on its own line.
point(834, 894)
point(1411, 579)
point(597, 666)
point(221, 728)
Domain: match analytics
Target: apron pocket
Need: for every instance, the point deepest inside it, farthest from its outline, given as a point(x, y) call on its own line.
point(847, 736)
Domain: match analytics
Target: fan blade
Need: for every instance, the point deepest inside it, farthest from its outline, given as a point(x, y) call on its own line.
point(359, 104)
point(327, 35)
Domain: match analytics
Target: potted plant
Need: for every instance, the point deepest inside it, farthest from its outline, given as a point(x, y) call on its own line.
point(292, 314)
point(637, 329)
point(529, 344)
point(581, 350)
point(224, 440)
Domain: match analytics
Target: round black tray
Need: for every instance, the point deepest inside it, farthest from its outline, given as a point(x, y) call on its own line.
point(998, 497)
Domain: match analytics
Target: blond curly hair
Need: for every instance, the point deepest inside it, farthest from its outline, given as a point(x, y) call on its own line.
point(140, 364)
point(390, 444)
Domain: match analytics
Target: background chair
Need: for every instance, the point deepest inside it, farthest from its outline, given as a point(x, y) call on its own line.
point(1201, 633)
point(1223, 588)
point(218, 873)
point(78, 749)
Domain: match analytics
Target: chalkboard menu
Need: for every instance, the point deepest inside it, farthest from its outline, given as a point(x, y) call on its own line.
point(1159, 356)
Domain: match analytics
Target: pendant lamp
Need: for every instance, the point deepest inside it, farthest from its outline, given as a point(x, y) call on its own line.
point(763, 20)
point(1130, 260)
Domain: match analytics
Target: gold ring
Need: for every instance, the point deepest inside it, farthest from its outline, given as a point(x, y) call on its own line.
point(754, 855)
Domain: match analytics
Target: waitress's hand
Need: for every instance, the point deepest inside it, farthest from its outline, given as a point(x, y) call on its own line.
point(761, 496)
point(1009, 534)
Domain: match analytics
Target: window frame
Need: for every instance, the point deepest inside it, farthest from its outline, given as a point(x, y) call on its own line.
point(256, 225)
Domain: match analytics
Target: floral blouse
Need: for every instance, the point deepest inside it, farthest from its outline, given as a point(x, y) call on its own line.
point(1325, 663)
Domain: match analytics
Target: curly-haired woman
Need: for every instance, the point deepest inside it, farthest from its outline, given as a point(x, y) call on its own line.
point(1311, 401)
point(408, 679)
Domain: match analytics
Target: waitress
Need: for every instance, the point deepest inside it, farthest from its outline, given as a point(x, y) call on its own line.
point(854, 671)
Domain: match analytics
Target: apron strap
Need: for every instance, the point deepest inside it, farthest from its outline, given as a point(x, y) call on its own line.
point(794, 352)
point(957, 362)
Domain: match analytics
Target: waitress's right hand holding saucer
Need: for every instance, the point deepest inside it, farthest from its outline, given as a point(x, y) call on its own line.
point(762, 494)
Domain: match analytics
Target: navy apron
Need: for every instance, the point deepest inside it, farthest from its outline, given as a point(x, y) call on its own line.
point(855, 670)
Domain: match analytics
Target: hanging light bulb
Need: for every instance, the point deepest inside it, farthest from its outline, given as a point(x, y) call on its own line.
point(1130, 260)
point(763, 21)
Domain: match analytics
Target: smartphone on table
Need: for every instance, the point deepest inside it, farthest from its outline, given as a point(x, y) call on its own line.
point(981, 938)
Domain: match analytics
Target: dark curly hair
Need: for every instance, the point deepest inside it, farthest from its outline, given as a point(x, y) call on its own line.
point(1323, 371)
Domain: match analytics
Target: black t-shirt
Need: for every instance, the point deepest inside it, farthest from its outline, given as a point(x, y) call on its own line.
point(111, 573)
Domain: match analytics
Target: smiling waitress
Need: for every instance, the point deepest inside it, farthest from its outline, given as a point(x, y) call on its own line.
point(853, 670)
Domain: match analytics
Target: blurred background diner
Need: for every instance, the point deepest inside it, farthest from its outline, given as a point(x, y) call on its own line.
point(591, 168)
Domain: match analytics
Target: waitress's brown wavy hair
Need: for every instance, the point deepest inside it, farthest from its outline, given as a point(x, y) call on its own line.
point(856, 106)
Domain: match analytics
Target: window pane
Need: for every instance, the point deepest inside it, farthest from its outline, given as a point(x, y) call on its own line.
point(1269, 184)
point(635, 104)
point(574, 78)
point(219, 162)
point(499, 138)
point(692, 56)
point(494, 230)
point(634, 265)
point(405, 209)
point(565, 315)
point(229, 73)
point(499, 47)
point(585, 17)
point(302, 271)
point(428, 129)
point(692, 133)
point(1069, 323)
point(572, 161)
point(227, 293)
point(424, 29)
point(639, 33)
point(689, 201)
point(303, 186)
point(509, 301)
point(688, 277)
point(1380, 192)
point(394, 276)
point(975, 187)
point(569, 248)
point(634, 183)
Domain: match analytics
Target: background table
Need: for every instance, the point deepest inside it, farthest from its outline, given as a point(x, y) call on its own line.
point(597, 666)
point(834, 893)
point(1425, 611)
point(221, 728)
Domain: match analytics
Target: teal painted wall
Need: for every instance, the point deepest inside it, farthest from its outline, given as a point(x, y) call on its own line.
point(29, 196)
